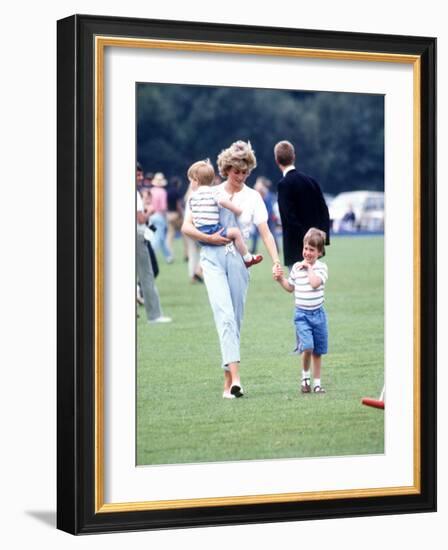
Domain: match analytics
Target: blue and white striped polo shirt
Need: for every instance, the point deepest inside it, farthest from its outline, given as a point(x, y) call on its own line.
point(204, 206)
point(307, 297)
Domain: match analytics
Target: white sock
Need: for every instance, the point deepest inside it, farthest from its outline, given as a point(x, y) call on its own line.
point(316, 382)
point(247, 257)
point(305, 375)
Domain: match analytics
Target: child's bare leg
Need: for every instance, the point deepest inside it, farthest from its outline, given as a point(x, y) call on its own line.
point(317, 363)
point(306, 361)
point(306, 364)
point(235, 234)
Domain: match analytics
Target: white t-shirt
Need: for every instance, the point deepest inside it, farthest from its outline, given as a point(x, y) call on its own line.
point(252, 205)
point(139, 203)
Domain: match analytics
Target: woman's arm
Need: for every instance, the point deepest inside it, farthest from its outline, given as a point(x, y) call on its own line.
point(269, 242)
point(190, 230)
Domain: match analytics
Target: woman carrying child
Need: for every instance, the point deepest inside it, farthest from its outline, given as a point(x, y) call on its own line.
point(225, 272)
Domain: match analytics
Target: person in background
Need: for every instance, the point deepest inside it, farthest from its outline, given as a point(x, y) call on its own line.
point(158, 219)
point(145, 273)
point(174, 214)
point(348, 222)
point(147, 182)
point(150, 231)
point(263, 186)
point(140, 178)
point(301, 204)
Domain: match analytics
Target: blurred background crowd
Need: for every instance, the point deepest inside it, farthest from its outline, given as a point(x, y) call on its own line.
point(351, 212)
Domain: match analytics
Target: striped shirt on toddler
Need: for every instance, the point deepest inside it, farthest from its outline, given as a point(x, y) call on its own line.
point(204, 206)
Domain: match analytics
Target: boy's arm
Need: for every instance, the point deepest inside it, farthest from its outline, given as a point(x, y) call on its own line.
point(314, 279)
point(285, 284)
point(227, 203)
point(277, 273)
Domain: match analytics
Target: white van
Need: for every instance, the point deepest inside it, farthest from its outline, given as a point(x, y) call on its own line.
point(357, 211)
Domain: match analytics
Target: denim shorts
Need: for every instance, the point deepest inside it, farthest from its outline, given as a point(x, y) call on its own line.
point(210, 229)
point(312, 330)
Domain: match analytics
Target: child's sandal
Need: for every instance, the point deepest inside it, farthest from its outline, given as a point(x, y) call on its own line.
point(306, 386)
point(318, 389)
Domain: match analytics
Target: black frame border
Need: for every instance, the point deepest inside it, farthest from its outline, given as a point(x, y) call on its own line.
point(76, 270)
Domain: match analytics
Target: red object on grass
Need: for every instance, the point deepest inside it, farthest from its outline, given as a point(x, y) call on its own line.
point(377, 403)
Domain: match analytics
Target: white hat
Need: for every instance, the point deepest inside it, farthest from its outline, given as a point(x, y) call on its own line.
point(159, 180)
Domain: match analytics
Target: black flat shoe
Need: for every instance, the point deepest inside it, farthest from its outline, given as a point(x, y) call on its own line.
point(237, 391)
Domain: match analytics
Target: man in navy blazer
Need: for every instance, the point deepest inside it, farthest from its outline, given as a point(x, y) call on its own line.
point(301, 204)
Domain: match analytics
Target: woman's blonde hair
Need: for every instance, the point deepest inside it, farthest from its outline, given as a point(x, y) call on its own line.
point(239, 155)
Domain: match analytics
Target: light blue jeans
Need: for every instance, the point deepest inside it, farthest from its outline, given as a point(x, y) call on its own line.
point(161, 225)
point(226, 278)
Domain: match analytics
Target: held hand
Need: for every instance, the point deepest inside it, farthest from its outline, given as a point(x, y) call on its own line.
point(277, 272)
point(218, 239)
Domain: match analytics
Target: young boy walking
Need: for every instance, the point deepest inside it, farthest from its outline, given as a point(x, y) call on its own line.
point(307, 280)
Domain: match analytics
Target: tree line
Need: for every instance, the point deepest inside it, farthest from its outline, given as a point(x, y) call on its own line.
point(339, 137)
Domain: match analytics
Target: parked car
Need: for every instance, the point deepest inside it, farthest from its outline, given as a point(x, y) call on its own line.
point(357, 211)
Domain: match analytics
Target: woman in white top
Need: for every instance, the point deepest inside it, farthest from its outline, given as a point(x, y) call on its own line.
point(225, 274)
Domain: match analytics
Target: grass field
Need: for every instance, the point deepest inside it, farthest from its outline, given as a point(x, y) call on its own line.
point(181, 416)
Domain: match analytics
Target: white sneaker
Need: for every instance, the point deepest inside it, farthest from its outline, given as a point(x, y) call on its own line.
point(227, 395)
point(161, 319)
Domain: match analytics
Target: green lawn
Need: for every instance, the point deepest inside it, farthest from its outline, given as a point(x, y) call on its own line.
point(181, 416)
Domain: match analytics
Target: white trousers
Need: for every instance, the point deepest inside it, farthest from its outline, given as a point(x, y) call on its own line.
point(226, 278)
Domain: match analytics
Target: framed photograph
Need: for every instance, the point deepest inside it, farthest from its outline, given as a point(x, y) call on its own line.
point(192, 389)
